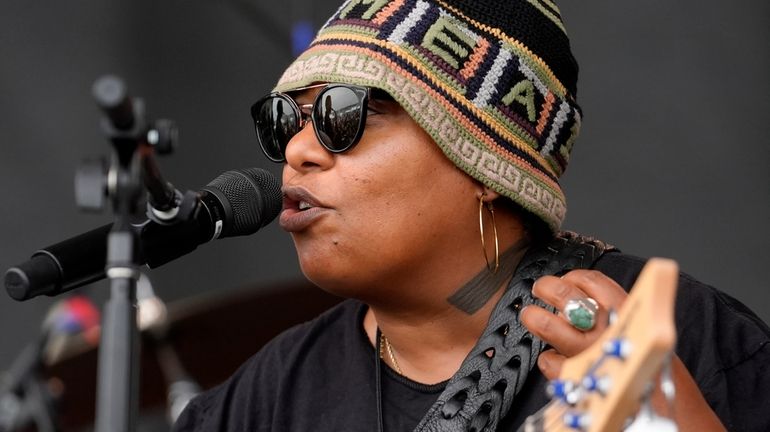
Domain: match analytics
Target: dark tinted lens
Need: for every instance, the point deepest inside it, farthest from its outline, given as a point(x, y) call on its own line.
point(338, 116)
point(276, 121)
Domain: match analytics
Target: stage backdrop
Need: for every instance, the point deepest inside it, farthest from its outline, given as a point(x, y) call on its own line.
point(672, 160)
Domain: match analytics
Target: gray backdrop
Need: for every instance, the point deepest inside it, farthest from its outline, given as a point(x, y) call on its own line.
point(672, 160)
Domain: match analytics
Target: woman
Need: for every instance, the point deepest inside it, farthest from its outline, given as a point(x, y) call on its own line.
point(422, 142)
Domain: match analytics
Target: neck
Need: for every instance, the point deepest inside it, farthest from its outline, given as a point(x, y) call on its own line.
point(429, 348)
point(430, 340)
point(428, 316)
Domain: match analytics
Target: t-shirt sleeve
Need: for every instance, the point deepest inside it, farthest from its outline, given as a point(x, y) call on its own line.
point(727, 350)
point(724, 345)
point(244, 401)
point(315, 376)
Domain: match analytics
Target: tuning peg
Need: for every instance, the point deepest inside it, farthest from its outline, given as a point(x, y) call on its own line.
point(577, 421)
point(600, 385)
point(565, 391)
point(619, 348)
point(558, 389)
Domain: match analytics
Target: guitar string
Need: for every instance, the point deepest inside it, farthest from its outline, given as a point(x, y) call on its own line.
point(563, 407)
point(540, 414)
point(557, 419)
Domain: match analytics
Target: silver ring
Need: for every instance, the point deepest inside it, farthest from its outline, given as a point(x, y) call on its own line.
point(581, 313)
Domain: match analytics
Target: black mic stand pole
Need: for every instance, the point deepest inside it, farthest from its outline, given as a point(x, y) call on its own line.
point(118, 379)
point(126, 127)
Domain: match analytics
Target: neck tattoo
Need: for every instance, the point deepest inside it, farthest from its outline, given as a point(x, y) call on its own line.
point(475, 293)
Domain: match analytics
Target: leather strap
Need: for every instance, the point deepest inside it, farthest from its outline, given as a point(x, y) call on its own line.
point(484, 388)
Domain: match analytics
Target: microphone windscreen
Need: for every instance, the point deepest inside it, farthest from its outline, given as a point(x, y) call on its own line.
point(251, 197)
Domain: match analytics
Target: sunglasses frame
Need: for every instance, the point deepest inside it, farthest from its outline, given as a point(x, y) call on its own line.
point(362, 92)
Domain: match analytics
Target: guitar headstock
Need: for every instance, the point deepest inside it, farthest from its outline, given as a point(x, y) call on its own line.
point(603, 386)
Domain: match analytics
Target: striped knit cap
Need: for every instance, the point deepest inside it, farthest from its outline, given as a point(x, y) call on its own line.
point(492, 82)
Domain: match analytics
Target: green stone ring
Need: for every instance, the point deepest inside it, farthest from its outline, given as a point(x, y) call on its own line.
point(581, 313)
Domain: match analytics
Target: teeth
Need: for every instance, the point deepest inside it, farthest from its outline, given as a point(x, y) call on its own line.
point(304, 205)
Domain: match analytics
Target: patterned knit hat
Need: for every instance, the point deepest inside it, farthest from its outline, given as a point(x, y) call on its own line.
point(492, 82)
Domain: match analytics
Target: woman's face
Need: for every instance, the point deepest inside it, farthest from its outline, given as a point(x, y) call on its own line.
point(382, 213)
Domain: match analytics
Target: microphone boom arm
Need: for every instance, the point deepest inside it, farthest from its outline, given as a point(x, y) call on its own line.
point(124, 124)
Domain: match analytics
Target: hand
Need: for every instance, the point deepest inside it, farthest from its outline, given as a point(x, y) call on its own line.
point(556, 330)
point(692, 412)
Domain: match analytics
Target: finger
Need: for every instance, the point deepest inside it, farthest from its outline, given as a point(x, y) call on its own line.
point(579, 284)
point(556, 291)
point(550, 362)
point(555, 330)
point(598, 286)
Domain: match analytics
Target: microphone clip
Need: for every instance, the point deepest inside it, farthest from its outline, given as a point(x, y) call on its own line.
point(185, 209)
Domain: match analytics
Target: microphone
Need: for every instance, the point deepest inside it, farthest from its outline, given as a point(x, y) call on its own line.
point(238, 202)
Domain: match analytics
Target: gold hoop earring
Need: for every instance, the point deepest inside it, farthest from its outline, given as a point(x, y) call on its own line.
point(491, 209)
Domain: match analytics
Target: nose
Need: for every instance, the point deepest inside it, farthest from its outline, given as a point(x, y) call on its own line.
point(305, 153)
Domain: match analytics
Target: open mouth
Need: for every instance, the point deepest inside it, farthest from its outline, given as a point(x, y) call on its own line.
point(299, 199)
point(300, 209)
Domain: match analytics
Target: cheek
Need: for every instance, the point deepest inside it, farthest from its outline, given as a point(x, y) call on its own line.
point(397, 199)
point(374, 213)
point(423, 182)
point(368, 233)
point(406, 206)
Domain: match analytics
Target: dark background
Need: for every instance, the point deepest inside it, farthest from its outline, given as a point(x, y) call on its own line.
point(672, 160)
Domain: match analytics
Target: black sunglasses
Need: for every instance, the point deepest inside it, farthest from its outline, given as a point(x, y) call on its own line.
point(338, 114)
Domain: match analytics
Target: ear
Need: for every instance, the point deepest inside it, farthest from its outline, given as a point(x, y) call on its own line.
point(486, 194)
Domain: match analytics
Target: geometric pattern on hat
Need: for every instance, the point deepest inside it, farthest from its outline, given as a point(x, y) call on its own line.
point(493, 83)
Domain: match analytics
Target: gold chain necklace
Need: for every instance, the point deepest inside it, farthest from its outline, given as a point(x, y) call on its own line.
point(386, 347)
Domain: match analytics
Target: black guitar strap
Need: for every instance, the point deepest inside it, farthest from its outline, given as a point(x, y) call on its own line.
point(484, 388)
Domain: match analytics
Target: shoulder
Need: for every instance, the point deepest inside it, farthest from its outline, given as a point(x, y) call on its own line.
point(724, 345)
point(699, 306)
point(251, 398)
point(692, 294)
point(340, 322)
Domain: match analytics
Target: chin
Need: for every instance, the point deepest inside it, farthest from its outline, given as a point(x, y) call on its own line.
point(338, 286)
point(335, 276)
point(322, 269)
point(339, 267)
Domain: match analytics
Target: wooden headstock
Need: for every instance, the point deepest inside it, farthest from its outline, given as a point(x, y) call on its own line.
point(645, 329)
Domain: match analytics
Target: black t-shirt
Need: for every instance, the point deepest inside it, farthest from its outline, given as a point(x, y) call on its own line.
point(320, 375)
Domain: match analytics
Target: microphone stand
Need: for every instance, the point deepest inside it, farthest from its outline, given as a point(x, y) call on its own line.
point(134, 143)
point(24, 394)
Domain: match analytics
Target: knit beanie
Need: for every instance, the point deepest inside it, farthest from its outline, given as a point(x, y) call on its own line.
point(493, 82)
